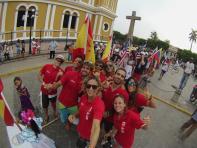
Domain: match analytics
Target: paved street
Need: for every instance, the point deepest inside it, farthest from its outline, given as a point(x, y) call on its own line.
point(165, 120)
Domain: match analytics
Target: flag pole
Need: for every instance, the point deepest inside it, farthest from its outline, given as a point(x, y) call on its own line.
point(10, 112)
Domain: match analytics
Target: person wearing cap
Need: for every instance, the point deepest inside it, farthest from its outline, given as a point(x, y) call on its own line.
point(49, 74)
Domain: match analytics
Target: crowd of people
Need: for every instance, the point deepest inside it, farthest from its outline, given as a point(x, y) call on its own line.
point(106, 97)
point(9, 50)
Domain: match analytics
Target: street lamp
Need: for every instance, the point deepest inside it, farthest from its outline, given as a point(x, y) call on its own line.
point(30, 30)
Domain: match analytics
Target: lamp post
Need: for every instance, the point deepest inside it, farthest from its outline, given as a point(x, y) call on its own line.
point(30, 30)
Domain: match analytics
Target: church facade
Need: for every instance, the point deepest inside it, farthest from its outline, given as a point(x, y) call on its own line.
point(55, 18)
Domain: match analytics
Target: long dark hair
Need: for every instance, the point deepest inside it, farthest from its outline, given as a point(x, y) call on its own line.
point(132, 95)
point(34, 127)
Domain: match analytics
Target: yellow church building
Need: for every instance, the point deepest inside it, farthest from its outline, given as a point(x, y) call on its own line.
point(55, 18)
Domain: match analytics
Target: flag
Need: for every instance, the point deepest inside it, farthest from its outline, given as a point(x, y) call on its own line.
point(123, 54)
point(106, 53)
point(4, 110)
point(89, 53)
point(81, 40)
point(157, 55)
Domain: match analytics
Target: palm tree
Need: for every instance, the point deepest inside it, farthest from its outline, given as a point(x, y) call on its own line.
point(154, 35)
point(192, 38)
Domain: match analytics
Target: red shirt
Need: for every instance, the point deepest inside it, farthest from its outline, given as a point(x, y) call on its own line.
point(140, 101)
point(71, 82)
point(69, 68)
point(126, 125)
point(87, 112)
point(109, 94)
point(50, 75)
point(102, 77)
point(108, 98)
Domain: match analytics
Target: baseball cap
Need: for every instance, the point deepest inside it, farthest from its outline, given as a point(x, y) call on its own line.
point(61, 57)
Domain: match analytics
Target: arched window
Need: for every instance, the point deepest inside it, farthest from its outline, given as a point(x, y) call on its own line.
point(74, 21)
point(31, 16)
point(66, 19)
point(21, 16)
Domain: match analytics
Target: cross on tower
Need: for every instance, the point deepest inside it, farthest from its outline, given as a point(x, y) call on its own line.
point(133, 18)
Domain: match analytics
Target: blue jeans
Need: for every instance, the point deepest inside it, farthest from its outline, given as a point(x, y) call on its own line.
point(184, 80)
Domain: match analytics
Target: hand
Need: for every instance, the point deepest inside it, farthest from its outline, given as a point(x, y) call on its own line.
point(48, 86)
point(146, 120)
point(71, 118)
point(106, 114)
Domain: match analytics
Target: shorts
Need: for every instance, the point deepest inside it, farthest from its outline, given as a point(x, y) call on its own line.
point(46, 99)
point(65, 112)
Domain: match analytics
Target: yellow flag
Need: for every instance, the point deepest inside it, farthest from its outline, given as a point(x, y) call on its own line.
point(106, 54)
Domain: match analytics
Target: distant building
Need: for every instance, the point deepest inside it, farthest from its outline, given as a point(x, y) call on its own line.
point(173, 51)
point(55, 18)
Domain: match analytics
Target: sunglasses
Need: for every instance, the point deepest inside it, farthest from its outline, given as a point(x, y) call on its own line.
point(99, 65)
point(94, 87)
point(131, 83)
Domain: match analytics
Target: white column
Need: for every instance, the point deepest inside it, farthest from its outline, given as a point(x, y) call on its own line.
point(35, 23)
point(95, 25)
point(47, 19)
point(69, 24)
point(5, 5)
point(15, 22)
point(52, 18)
point(25, 23)
point(76, 28)
point(100, 26)
point(61, 25)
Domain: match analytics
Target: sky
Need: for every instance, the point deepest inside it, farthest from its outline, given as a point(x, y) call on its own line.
point(172, 19)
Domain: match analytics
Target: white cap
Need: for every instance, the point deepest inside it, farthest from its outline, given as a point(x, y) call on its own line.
point(61, 57)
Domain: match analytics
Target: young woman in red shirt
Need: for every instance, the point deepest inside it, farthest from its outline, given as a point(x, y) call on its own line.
point(125, 122)
point(91, 109)
point(137, 100)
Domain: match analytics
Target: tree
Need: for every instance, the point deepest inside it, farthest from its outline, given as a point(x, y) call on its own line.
point(192, 38)
point(154, 36)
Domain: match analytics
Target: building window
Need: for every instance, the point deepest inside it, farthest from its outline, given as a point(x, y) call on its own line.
point(105, 27)
point(66, 19)
point(74, 21)
point(21, 16)
point(31, 16)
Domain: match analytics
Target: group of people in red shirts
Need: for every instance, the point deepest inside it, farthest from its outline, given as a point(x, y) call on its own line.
point(97, 98)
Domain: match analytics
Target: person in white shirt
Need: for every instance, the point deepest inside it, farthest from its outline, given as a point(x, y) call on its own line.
point(164, 68)
point(189, 68)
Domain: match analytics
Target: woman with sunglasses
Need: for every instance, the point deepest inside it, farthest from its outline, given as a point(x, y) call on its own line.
point(91, 109)
point(137, 100)
point(125, 123)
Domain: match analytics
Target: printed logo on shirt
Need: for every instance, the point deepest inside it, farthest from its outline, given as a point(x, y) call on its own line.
point(47, 71)
point(88, 113)
point(123, 125)
point(72, 81)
